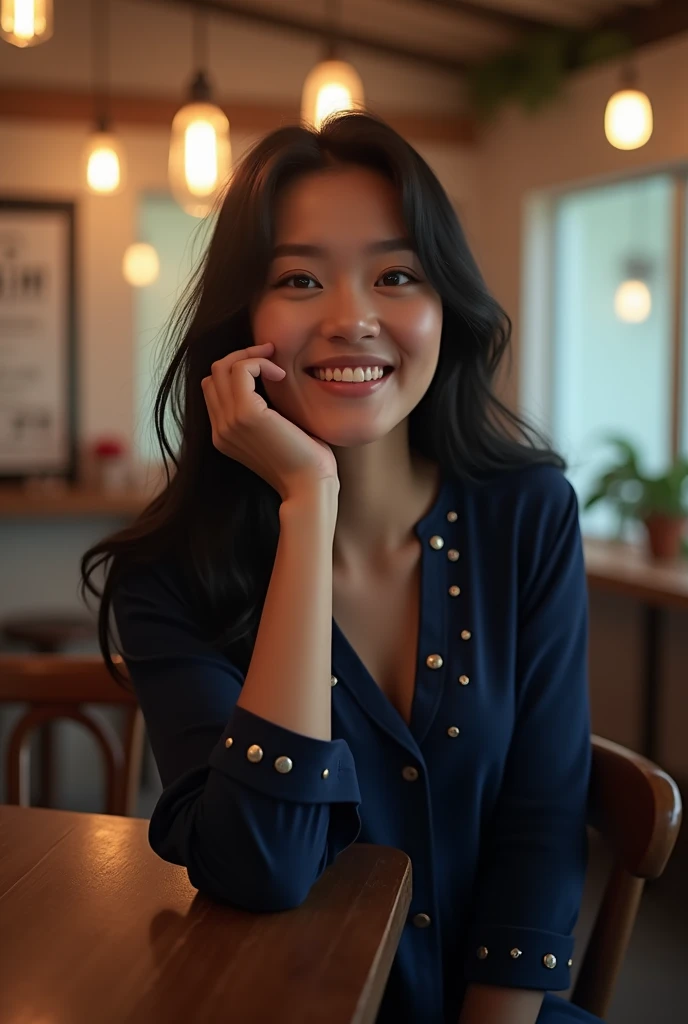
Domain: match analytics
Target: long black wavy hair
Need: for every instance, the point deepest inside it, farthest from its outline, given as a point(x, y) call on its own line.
point(219, 518)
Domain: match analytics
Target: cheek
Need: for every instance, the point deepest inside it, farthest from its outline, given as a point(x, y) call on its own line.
point(421, 329)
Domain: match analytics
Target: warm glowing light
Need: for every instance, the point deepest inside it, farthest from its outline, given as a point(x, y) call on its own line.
point(26, 22)
point(200, 156)
point(330, 86)
point(104, 164)
point(140, 265)
point(633, 302)
point(628, 119)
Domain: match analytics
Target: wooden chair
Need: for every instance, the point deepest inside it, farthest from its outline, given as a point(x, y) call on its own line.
point(55, 687)
point(636, 808)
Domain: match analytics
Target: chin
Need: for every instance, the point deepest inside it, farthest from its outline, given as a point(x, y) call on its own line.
point(349, 437)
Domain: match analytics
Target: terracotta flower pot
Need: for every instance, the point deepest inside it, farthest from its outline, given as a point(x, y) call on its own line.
point(665, 534)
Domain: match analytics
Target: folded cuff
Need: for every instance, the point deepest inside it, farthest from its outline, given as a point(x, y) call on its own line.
point(289, 766)
point(520, 958)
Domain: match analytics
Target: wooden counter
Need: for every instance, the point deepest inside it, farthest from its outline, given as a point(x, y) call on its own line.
point(17, 502)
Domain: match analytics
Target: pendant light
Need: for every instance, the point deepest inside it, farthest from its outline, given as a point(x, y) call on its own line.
point(103, 164)
point(140, 264)
point(628, 119)
point(333, 84)
point(633, 297)
point(26, 22)
point(200, 159)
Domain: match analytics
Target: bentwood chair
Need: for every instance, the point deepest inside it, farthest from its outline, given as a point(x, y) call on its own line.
point(56, 687)
point(636, 808)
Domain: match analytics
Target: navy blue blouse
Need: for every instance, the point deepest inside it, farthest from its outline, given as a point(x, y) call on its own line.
point(485, 791)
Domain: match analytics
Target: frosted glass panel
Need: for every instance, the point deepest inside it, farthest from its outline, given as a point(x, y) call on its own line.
point(179, 240)
point(611, 375)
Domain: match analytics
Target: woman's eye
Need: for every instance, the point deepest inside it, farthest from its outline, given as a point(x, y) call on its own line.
point(396, 273)
point(297, 277)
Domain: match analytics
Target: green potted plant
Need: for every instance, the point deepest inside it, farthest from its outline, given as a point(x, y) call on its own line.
point(660, 502)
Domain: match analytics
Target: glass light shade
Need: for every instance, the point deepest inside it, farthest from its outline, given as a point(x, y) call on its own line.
point(628, 120)
point(103, 164)
point(330, 86)
point(26, 22)
point(200, 156)
point(140, 264)
point(633, 302)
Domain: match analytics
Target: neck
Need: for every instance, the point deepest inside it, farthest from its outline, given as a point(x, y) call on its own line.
point(384, 490)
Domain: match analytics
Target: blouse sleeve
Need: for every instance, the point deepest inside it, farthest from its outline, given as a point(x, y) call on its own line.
point(534, 853)
point(248, 833)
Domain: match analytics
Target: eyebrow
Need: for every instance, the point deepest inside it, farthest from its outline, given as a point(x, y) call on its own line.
point(386, 245)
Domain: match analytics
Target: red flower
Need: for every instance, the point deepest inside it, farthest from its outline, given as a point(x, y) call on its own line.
point(108, 448)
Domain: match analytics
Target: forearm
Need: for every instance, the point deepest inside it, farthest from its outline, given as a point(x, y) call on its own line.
point(288, 679)
point(492, 1004)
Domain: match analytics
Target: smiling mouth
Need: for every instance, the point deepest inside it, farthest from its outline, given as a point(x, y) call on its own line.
point(354, 377)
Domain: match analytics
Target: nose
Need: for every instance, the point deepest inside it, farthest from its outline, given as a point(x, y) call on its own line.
point(350, 316)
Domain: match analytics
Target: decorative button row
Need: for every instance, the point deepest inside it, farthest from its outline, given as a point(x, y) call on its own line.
point(549, 960)
point(437, 543)
point(282, 764)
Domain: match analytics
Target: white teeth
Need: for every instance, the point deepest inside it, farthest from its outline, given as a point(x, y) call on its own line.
point(350, 374)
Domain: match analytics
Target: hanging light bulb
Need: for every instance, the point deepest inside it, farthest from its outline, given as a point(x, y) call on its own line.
point(633, 298)
point(628, 119)
point(103, 163)
point(333, 84)
point(26, 22)
point(200, 158)
point(140, 264)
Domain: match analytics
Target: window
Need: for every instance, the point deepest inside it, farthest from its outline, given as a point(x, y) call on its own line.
point(612, 355)
point(179, 240)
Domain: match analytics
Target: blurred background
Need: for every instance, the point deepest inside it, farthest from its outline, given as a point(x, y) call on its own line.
point(558, 129)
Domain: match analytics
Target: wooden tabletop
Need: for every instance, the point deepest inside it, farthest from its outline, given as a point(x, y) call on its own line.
point(628, 569)
point(95, 927)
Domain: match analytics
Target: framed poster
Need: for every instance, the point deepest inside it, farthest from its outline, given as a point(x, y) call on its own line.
point(37, 339)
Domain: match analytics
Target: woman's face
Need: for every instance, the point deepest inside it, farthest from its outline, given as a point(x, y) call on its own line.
point(336, 293)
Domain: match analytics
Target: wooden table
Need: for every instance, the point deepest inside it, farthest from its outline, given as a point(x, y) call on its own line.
point(94, 927)
point(629, 570)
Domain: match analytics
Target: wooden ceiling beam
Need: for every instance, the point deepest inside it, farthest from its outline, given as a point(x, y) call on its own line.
point(248, 118)
point(646, 25)
point(494, 15)
point(246, 11)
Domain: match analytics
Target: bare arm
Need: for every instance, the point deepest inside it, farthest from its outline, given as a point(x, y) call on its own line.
point(288, 680)
point(491, 1004)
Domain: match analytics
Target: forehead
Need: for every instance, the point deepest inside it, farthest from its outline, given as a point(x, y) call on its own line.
point(346, 204)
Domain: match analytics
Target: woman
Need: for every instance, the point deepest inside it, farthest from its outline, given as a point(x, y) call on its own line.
point(357, 611)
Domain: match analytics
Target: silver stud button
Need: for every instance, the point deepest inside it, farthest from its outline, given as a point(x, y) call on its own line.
point(465, 634)
point(434, 661)
point(229, 741)
point(410, 773)
point(515, 953)
point(452, 517)
point(333, 680)
point(464, 680)
point(284, 765)
point(453, 555)
point(454, 591)
point(549, 960)
point(326, 773)
point(422, 921)
point(453, 731)
point(436, 542)
point(482, 952)
point(569, 963)
point(254, 753)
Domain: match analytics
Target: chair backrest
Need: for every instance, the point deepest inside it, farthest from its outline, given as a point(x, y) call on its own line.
point(636, 807)
point(55, 686)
